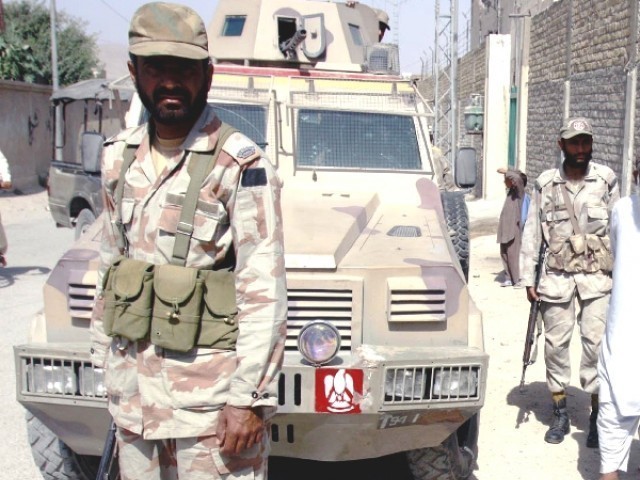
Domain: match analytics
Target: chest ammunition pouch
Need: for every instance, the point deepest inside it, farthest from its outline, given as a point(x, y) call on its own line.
point(580, 253)
point(173, 306)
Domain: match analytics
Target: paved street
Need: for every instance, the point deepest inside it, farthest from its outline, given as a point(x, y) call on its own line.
point(512, 423)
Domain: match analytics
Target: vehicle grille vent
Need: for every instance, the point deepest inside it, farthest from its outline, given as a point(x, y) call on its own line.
point(333, 306)
point(81, 292)
point(431, 384)
point(405, 231)
point(426, 305)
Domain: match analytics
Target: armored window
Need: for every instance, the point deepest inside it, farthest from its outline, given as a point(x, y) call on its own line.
point(249, 119)
point(356, 140)
point(233, 25)
point(356, 36)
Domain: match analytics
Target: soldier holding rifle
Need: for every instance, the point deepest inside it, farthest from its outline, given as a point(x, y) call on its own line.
point(570, 212)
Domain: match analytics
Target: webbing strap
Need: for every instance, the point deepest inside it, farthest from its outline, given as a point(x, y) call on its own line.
point(128, 156)
point(203, 164)
point(569, 207)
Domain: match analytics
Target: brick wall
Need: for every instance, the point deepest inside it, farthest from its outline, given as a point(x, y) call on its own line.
point(586, 45)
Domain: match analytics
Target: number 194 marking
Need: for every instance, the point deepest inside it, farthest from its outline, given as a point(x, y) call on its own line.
point(390, 420)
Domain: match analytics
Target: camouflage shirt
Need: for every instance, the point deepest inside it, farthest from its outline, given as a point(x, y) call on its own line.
point(165, 394)
point(592, 200)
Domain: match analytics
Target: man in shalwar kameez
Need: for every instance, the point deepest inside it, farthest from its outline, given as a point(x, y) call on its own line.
point(619, 413)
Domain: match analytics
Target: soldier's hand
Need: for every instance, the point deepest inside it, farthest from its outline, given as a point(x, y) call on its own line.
point(239, 429)
point(532, 295)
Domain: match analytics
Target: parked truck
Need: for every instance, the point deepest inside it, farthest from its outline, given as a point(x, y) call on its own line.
point(89, 112)
point(376, 254)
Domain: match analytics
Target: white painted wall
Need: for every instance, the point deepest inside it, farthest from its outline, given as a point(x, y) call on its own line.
point(496, 115)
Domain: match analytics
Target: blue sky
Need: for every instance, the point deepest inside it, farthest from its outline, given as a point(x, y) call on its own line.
point(109, 21)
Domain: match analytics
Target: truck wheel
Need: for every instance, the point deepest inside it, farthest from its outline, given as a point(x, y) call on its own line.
point(452, 460)
point(457, 218)
point(83, 221)
point(55, 460)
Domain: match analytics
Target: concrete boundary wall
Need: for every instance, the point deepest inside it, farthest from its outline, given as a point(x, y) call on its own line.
point(25, 131)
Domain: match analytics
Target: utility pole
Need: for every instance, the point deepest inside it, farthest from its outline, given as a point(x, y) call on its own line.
point(1, 18)
point(445, 129)
point(59, 140)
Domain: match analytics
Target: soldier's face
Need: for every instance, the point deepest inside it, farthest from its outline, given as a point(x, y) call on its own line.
point(174, 90)
point(577, 150)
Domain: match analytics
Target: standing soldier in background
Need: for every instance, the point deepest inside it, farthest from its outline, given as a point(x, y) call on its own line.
point(570, 211)
point(5, 184)
point(190, 317)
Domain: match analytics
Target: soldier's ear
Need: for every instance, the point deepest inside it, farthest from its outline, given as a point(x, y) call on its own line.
point(132, 71)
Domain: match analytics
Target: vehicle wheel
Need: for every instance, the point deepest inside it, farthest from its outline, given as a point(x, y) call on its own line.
point(457, 218)
point(55, 460)
point(452, 460)
point(83, 221)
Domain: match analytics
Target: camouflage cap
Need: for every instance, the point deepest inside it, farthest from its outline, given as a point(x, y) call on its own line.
point(159, 28)
point(382, 17)
point(576, 126)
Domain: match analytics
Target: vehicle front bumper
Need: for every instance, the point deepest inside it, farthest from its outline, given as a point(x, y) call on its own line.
point(377, 424)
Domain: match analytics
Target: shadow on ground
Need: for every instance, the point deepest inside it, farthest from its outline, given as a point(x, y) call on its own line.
point(8, 275)
point(534, 404)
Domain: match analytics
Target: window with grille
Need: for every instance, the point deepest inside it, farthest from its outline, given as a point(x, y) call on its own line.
point(356, 140)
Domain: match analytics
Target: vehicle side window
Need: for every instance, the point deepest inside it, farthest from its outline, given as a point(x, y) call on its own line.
point(249, 119)
point(356, 140)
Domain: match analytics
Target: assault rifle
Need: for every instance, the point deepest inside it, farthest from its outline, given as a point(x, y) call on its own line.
point(108, 468)
point(533, 318)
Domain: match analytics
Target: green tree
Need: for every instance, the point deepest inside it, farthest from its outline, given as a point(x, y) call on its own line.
point(25, 47)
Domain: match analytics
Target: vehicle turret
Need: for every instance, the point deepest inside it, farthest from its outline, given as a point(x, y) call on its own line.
point(301, 34)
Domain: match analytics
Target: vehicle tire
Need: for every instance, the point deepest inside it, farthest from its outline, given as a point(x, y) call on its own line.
point(452, 460)
point(83, 221)
point(457, 217)
point(55, 460)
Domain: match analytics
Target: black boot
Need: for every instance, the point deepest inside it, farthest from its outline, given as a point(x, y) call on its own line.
point(560, 426)
point(592, 437)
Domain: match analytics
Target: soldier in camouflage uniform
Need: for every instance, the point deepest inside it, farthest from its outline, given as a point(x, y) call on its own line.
point(203, 413)
point(570, 212)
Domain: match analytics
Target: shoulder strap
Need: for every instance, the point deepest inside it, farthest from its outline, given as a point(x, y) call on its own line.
point(569, 205)
point(128, 156)
point(200, 165)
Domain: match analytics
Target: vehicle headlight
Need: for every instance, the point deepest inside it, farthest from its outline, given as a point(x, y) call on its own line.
point(52, 379)
point(92, 382)
point(319, 342)
point(455, 383)
point(404, 383)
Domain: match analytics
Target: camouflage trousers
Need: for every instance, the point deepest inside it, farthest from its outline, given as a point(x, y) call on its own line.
point(187, 459)
point(559, 319)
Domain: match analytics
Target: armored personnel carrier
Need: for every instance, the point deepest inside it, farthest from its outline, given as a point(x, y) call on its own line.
point(384, 350)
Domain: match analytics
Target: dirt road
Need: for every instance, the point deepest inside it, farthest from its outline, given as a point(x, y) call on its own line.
point(512, 424)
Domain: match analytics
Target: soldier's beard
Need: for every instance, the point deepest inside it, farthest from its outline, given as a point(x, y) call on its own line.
point(188, 113)
point(572, 160)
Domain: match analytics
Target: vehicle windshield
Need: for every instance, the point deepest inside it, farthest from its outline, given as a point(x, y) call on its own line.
point(356, 140)
point(249, 119)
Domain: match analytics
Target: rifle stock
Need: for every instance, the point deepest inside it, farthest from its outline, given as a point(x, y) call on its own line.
point(108, 468)
point(533, 318)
